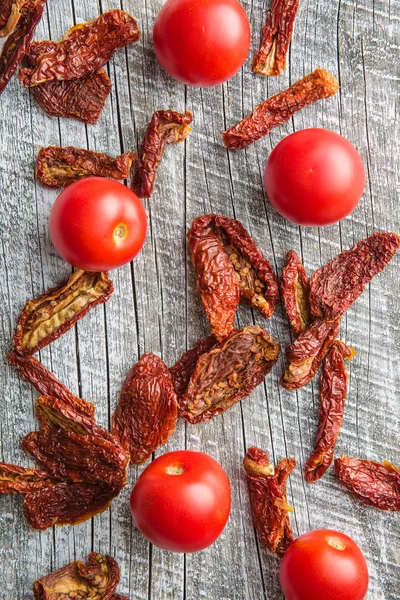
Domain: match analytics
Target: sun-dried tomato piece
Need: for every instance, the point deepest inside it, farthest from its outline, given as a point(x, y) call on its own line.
point(332, 393)
point(268, 501)
point(166, 127)
point(47, 384)
point(97, 581)
point(67, 504)
point(374, 483)
point(280, 108)
point(336, 285)
point(295, 290)
point(57, 167)
point(147, 410)
point(182, 371)
point(229, 268)
point(276, 36)
point(18, 480)
point(18, 42)
point(10, 12)
point(84, 49)
point(228, 372)
point(307, 352)
point(50, 315)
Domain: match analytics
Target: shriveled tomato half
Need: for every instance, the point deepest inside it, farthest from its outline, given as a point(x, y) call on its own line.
point(181, 501)
point(97, 224)
point(324, 565)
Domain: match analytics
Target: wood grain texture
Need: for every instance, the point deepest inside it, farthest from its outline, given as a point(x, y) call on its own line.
point(155, 306)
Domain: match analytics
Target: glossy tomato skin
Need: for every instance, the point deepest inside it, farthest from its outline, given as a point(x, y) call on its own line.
point(201, 42)
point(314, 177)
point(97, 224)
point(324, 565)
point(181, 501)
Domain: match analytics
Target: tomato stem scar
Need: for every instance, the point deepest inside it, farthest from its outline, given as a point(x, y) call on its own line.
point(120, 232)
point(336, 543)
point(175, 470)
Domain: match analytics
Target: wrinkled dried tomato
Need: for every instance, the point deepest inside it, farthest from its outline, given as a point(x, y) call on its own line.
point(18, 42)
point(336, 285)
point(374, 483)
point(280, 108)
point(166, 127)
point(147, 410)
point(332, 393)
point(84, 49)
point(230, 371)
point(276, 36)
point(18, 480)
point(97, 581)
point(295, 290)
point(10, 12)
point(50, 315)
point(307, 352)
point(57, 167)
point(182, 371)
point(47, 384)
point(268, 501)
point(229, 268)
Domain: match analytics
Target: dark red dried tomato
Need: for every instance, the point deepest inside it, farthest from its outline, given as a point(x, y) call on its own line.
point(50, 315)
point(267, 491)
point(295, 290)
point(10, 12)
point(18, 42)
point(84, 49)
point(276, 36)
point(228, 372)
point(147, 410)
point(18, 480)
point(374, 483)
point(332, 393)
point(47, 384)
point(336, 285)
point(97, 581)
point(166, 127)
point(280, 108)
point(57, 167)
point(182, 371)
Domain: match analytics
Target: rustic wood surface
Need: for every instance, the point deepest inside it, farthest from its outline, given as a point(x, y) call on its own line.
point(155, 306)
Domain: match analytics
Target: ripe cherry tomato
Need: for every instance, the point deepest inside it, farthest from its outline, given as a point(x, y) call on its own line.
point(181, 502)
point(314, 177)
point(202, 42)
point(324, 565)
point(97, 224)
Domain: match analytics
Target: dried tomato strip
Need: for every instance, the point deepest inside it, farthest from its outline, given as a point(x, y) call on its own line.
point(336, 285)
point(230, 371)
point(280, 108)
point(53, 313)
point(10, 12)
point(332, 392)
point(57, 167)
point(182, 371)
point(307, 352)
point(295, 291)
point(18, 480)
point(47, 384)
point(147, 410)
point(268, 501)
point(18, 42)
point(375, 484)
point(166, 127)
point(98, 580)
point(84, 49)
point(276, 36)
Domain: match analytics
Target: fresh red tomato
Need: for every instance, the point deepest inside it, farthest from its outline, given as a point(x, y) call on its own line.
point(181, 502)
point(324, 565)
point(314, 177)
point(202, 42)
point(97, 224)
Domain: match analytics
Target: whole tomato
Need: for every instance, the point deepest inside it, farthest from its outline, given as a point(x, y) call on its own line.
point(181, 501)
point(201, 42)
point(97, 224)
point(314, 177)
point(324, 565)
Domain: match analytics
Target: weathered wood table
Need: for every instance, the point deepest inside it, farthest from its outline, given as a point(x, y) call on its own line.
point(155, 306)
